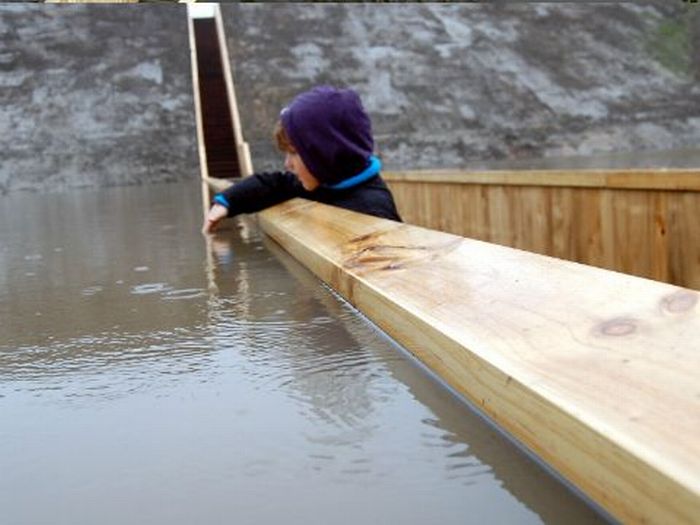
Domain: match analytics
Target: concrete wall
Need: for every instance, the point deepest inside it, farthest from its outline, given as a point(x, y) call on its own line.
point(101, 95)
point(94, 95)
point(448, 85)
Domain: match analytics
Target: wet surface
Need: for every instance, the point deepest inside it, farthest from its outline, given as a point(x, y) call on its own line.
point(147, 376)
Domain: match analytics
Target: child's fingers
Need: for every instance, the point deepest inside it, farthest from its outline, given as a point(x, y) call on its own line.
point(214, 216)
point(209, 225)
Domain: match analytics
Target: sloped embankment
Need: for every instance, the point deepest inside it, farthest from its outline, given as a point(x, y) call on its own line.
point(448, 85)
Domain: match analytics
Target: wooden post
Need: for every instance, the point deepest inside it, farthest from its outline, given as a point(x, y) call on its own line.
point(201, 148)
point(244, 161)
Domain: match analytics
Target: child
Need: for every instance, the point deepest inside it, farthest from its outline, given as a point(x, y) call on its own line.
point(327, 140)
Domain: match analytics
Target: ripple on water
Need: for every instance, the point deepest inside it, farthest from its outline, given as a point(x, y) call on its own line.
point(303, 357)
point(167, 292)
point(187, 293)
point(323, 319)
point(283, 354)
point(149, 288)
point(109, 364)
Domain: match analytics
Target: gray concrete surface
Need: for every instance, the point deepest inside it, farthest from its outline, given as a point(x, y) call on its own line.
point(451, 85)
point(94, 95)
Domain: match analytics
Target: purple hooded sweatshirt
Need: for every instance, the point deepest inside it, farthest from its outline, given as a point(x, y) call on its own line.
point(331, 132)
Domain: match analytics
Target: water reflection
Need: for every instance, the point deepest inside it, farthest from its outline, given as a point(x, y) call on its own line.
point(470, 447)
point(170, 379)
point(293, 340)
point(337, 364)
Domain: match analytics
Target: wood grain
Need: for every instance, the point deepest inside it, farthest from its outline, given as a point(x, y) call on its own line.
point(643, 179)
point(644, 224)
point(596, 372)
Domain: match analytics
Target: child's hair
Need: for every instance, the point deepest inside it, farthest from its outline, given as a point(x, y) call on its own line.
point(283, 143)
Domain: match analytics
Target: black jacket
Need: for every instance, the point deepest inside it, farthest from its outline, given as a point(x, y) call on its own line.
point(263, 190)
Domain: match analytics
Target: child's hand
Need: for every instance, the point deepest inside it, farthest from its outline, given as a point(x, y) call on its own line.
point(214, 216)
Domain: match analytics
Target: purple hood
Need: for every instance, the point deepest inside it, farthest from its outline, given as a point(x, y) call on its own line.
point(331, 132)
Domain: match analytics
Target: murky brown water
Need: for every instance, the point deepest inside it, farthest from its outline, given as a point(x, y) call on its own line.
point(146, 377)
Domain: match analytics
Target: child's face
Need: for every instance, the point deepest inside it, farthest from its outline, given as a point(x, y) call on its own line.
point(293, 163)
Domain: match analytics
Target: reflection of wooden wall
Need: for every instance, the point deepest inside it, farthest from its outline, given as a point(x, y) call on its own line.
point(644, 223)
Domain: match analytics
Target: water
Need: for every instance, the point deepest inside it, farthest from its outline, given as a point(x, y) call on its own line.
point(147, 376)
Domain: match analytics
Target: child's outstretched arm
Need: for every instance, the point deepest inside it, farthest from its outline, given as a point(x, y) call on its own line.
point(252, 194)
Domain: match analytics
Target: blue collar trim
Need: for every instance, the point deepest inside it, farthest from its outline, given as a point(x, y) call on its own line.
point(373, 169)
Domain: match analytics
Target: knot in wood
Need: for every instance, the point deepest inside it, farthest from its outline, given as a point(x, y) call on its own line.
point(679, 302)
point(618, 327)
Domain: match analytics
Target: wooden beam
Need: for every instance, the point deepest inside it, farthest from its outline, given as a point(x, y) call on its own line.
point(645, 179)
point(244, 161)
point(201, 148)
point(594, 371)
point(217, 185)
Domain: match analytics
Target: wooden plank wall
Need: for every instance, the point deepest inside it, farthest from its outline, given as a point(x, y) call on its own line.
point(643, 222)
